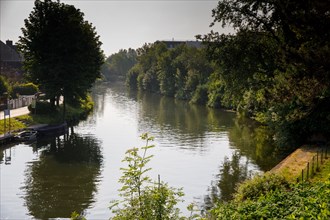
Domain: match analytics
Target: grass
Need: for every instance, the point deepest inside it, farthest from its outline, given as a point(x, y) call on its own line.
point(73, 116)
point(14, 125)
point(324, 173)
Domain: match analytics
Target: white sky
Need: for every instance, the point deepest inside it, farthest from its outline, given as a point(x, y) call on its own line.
point(124, 24)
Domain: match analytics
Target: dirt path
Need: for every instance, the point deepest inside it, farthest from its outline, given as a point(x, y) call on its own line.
point(292, 165)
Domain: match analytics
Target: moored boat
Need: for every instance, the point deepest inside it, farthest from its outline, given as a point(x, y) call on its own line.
point(28, 135)
point(51, 129)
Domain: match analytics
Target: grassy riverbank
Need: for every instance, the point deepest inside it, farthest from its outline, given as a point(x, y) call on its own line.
point(277, 195)
point(73, 115)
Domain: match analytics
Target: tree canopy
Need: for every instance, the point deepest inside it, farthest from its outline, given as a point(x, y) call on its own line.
point(275, 68)
point(180, 72)
point(117, 65)
point(61, 50)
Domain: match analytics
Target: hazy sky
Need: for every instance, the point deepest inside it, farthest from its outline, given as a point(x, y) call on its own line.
point(124, 24)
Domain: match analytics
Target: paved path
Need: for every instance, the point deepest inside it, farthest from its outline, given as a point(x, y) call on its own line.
point(16, 112)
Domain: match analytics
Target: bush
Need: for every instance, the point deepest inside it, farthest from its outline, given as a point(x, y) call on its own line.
point(302, 201)
point(42, 108)
point(4, 87)
point(24, 89)
point(260, 185)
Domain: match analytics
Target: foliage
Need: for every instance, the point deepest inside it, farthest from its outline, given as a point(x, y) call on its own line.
point(141, 197)
point(42, 108)
point(61, 50)
point(260, 185)
point(175, 72)
point(302, 201)
point(3, 85)
point(14, 125)
point(24, 89)
point(274, 68)
point(46, 113)
point(117, 65)
point(77, 216)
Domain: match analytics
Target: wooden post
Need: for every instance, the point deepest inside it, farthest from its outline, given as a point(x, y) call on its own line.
point(313, 166)
point(307, 171)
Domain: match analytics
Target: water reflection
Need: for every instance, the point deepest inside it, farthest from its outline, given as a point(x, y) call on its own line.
point(182, 116)
point(65, 177)
point(180, 124)
point(255, 142)
point(254, 145)
point(232, 171)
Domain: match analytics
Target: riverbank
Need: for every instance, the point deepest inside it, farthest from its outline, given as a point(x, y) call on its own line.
point(281, 193)
point(293, 165)
point(21, 118)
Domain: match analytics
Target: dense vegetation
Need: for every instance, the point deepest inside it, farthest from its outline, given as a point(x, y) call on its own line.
point(181, 72)
point(270, 197)
point(276, 67)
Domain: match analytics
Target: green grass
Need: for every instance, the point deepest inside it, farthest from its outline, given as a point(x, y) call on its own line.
point(73, 116)
point(14, 125)
point(324, 173)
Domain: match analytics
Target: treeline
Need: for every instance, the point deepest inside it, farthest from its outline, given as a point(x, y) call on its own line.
point(181, 72)
point(118, 64)
point(274, 68)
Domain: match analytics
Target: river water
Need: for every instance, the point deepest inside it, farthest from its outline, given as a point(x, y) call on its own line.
point(204, 151)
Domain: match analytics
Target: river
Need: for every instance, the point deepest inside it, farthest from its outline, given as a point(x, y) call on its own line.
point(205, 151)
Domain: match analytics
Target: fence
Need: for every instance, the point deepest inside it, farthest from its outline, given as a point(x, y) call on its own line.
point(21, 101)
point(314, 165)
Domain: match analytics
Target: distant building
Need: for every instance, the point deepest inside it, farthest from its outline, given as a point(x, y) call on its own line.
point(9, 57)
point(11, 61)
point(173, 44)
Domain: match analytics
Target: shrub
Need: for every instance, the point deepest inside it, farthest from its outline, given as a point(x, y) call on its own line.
point(260, 185)
point(142, 198)
point(302, 201)
point(25, 89)
point(42, 108)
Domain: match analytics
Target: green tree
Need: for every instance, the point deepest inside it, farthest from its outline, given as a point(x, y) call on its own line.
point(61, 50)
point(117, 65)
point(275, 67)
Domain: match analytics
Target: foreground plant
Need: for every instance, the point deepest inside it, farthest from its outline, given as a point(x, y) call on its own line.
point(143, 198)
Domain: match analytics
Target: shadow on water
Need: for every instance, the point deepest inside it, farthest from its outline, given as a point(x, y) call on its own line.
point(65, 177)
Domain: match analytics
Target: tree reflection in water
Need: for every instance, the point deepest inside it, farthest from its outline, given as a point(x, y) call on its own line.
point(232, 172)
point(65, 177)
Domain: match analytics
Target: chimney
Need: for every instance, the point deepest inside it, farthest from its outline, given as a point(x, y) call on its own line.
point(9, 43)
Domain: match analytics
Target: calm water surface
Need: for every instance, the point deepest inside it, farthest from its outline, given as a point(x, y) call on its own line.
point(203, 150)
